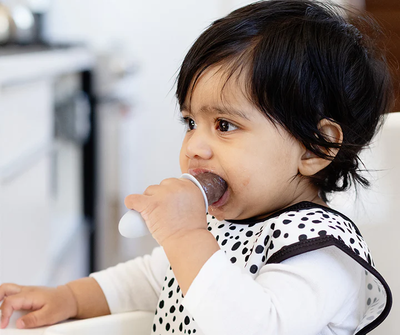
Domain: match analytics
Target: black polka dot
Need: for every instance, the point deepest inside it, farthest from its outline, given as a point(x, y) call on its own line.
point(221, 226)
point(227, 234)
point(233, 260)
point(181, 308)
point(286, 235)
point(304, 218)
point(322, 233)
point(301, 225)
point(259, 249)
point(352, 240)
point(244, 251)
point(160, 320)
point(171, 282)
point(236, 246)
point(276, 233)
point(170, 294)
point(286, 221)
point(209, 228)
point(232, 227)
point(253, 269)
point(161, 304)
point(172, 309)
point(154, 327)
point(167, 327)
point(187, 320)
point(273, 226)
point(249, 233)
point(271, 246)
point(266, 240)
point(316, 221)
point(340, 228)
point(302, 237)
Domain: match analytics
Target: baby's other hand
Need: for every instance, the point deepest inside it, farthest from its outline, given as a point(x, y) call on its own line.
point(171, 208)
point(48, 305)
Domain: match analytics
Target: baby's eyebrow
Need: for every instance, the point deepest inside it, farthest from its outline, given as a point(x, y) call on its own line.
point(219, 110)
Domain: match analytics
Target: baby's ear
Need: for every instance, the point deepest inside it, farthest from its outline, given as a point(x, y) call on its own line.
point(310, 163)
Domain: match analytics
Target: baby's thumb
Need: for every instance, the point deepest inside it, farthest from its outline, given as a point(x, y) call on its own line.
point(34, 319)
point(137, 202)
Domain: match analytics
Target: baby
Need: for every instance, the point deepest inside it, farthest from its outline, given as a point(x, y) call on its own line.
point(278, 98)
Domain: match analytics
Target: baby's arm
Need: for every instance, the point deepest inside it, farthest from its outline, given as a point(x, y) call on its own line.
point(174, 214)
point(82, 298)
point(317, 292)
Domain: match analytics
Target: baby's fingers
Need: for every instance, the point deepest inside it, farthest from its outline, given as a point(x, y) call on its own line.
point(9, 289)
point(14, 303)
point(137, 202)
point(38, 318)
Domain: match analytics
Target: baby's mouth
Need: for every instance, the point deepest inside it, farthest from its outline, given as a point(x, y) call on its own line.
point(213, 185)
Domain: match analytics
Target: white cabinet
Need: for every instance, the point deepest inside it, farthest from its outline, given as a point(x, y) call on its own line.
point(25, 222)
point(26, 114)
point(42, 236)
point(25, 184)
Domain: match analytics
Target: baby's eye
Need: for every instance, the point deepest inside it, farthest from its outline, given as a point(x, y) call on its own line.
point(224, 126)
point(189, 123)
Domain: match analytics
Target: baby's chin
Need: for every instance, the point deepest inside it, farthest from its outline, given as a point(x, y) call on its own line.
point(217, 213)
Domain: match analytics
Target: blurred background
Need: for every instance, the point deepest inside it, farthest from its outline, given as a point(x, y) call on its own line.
point(88, 116)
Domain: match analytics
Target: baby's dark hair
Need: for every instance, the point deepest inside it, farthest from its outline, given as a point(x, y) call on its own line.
point(304, 61)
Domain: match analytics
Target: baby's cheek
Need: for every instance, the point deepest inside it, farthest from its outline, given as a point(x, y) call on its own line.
point(245, 181)
point(183, 161)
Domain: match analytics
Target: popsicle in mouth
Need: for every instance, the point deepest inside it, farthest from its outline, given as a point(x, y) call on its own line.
point(211, 186)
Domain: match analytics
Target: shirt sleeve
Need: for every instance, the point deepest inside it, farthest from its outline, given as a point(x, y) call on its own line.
point(134, 285)
point(301, 295)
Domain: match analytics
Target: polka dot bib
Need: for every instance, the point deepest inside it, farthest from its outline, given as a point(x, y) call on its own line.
point(252, 244)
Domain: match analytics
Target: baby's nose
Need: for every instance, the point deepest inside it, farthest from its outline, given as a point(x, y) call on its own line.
point(199, 146)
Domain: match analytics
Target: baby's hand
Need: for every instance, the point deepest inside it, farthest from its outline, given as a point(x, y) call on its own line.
point(48, 305)
point(171, 208)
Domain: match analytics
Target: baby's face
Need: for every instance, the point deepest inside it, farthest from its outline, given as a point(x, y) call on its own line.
point(228, 135)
